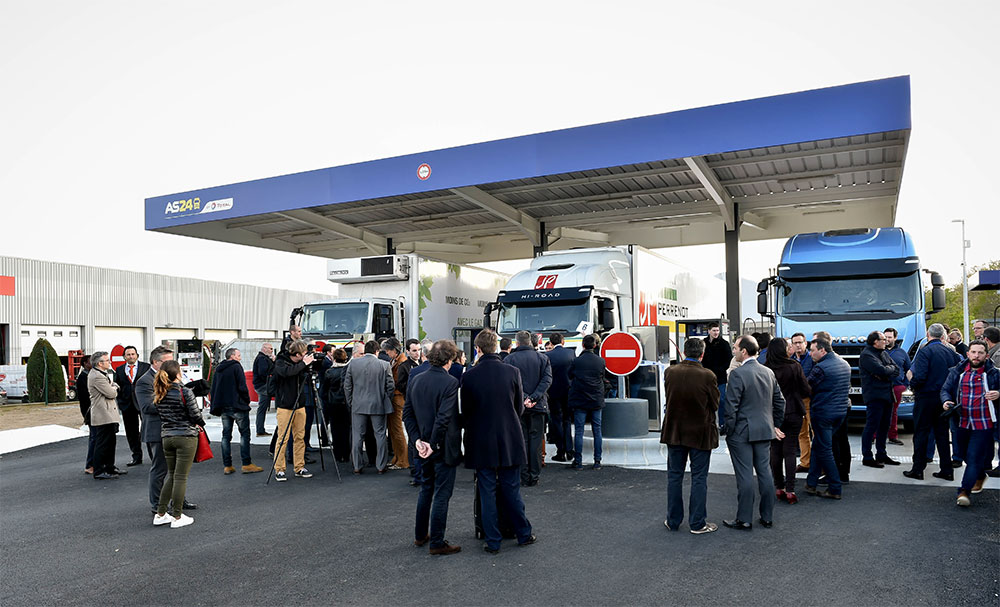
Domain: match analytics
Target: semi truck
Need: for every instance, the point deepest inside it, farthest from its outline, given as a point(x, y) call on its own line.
point(849, 283)
point(402, 296)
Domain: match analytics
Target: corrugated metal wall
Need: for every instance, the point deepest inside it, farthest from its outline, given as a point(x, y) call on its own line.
point(49, 293)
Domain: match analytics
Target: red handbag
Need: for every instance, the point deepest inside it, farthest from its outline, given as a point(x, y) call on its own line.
point(204, 451)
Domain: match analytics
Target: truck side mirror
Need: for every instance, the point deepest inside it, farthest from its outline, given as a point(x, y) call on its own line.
point(762, 286)
point(606, 310)
point(384, 321)
point(487, 314)
point(937, 299)
point(937, 280)
point(762, 303)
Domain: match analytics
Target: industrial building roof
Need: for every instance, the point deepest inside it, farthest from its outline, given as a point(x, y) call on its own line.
point(806, 161)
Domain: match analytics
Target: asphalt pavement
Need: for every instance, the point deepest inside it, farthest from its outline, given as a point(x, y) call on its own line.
point(67, 539)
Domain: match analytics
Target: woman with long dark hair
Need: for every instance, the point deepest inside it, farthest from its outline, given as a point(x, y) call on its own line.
point(179, 421)
point(335, 409)
point(794, 388)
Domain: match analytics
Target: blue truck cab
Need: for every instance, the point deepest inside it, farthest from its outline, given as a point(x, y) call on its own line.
point(850, 283)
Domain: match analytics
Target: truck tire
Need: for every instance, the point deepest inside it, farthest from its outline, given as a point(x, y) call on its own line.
point(71, 394)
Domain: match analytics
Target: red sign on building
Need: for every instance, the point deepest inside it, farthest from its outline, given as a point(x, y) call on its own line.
point(546, 281)
point(7, 285)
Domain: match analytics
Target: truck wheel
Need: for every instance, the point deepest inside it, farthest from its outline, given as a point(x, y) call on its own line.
point(71, 394)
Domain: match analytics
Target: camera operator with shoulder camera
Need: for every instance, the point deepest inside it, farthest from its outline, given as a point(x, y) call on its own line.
point(289, 370)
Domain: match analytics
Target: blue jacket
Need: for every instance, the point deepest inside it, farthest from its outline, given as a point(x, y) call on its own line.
point(536, 376)
point(806, 362)
point(930, 368)
point(877, 373)
point(262, 367)
point(229, 388)
point(949, 390)
point(830, 380)
point(586, 374)
point(902, 360)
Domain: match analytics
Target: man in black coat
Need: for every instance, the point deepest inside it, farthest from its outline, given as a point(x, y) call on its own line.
point(126, 376)
point(536, 377)
point(83, 393)
point(430, 414)
point(231, 402)
point(877, 374)
point(718, 354)
point(561, 359)
point(492, 403)
point(262, 367)
point(586, 398)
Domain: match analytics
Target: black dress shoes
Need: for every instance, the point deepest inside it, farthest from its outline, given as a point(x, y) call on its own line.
point(738, 524)
point(800, 469)
point(487, 549)
point(529, 541)
point(104, 476)
point(122, 472)
point(871, 463)
point(919, 476)
point(189, 506)
point(134, 462)
point(765, 524)
point(945, 476)
point(888, 461)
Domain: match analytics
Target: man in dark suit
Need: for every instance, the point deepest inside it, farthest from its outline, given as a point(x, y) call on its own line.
point(561, 359)
point(755, 409)
point(586, 398)
point(83, 393)
point(492, 403)
point(536, 377)
point(126, 376)
point(689, 429)
point(262, 367)
point(430, 414)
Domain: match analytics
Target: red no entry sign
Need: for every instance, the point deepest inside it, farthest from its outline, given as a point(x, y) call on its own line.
point(621, 352)
point(117, 356)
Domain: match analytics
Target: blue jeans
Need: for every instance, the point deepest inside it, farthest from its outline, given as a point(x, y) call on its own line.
point(263, 404)
point(877, 416)
point(676, 462)
point(976, 445)
point(957, 448)
point(506, 481)
point(822, 453)
point(579, 419)
point(722, 405)
point(432, 503)
point(243, 423)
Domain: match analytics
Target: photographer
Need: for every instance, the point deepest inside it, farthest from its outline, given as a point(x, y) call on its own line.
point(289, 368)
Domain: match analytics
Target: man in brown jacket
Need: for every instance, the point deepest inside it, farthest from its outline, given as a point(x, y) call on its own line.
point(689, 429)
point(400, 456)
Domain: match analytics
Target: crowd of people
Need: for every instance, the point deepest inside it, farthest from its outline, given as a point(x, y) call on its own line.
point(781, 404)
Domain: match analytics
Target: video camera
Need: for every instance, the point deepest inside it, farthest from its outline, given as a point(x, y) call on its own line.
point(317, 363)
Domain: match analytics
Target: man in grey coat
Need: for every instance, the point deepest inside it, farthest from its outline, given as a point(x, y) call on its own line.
point(755, 409)
point(368, 387)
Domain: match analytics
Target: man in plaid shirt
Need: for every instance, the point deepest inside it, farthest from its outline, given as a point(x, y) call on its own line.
point(974, 386)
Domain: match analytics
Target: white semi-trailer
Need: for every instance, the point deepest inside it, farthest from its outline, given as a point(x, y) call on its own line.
point(604, 289)
point(400, 296)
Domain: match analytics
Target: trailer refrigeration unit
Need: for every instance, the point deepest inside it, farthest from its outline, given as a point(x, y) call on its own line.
point(850, 283)
point(402, 296)
point(607, 289)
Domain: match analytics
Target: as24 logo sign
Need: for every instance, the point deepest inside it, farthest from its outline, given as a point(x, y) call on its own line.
point(179, 206)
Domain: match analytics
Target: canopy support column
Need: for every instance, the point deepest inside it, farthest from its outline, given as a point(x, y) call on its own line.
point(733, 309)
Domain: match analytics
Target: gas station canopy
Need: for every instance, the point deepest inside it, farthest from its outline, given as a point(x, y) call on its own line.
point(821, 159)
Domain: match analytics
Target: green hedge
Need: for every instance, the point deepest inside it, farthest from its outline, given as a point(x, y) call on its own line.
point(36, 374)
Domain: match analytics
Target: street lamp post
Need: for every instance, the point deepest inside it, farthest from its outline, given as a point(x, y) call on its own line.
point(965, 283)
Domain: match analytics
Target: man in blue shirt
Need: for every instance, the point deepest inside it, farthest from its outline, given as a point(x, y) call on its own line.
point(899, 384)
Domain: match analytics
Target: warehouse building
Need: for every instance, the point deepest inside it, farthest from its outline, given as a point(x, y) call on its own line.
point(88, 308)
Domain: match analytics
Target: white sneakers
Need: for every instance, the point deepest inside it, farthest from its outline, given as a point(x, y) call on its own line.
point(162, 520)
point(183, 521)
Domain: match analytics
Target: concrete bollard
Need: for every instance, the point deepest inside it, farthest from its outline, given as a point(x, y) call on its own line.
point(625, 418)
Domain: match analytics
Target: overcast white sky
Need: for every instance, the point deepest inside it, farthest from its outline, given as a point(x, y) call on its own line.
point(107, 103)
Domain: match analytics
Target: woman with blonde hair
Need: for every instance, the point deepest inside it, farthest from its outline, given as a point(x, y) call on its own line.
point(179, 421)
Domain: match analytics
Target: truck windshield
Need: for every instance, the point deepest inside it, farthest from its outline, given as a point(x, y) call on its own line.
point(335, 318)
point(543, 316)
point(852, 295)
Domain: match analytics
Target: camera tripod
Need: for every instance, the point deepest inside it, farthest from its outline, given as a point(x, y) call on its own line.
point(322, 430)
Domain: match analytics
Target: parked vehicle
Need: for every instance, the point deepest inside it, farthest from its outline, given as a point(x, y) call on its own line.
point(850, 283)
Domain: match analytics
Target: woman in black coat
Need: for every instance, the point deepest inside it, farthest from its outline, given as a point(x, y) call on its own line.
point(335, 409)
point(794, 388)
